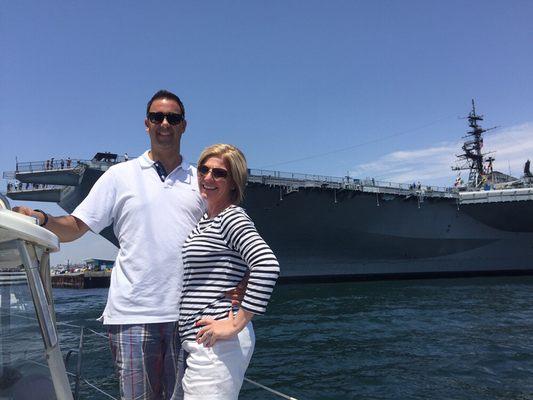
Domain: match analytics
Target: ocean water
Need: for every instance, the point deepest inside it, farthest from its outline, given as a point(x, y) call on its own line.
point(420, 339)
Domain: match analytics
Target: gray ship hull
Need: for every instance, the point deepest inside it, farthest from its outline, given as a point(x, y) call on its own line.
point(366, 235)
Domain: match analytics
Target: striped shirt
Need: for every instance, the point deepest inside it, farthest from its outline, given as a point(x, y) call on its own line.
point(216, 256)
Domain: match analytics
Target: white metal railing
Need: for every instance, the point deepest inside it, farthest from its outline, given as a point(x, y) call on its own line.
point(48, 165)
point(61, 164)
point(348, 181)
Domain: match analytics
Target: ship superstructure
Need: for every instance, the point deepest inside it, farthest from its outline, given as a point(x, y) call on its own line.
point(473, 159)
point(344, 228)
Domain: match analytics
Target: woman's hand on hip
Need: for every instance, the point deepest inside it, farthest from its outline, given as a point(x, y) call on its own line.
point(213, 330)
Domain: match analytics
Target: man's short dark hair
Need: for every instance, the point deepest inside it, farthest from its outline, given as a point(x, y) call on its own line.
point(165, 94)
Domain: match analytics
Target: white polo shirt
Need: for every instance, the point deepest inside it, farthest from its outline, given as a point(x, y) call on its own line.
point(151, 220)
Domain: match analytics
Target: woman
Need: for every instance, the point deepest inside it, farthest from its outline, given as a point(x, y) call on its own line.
point(222, 248)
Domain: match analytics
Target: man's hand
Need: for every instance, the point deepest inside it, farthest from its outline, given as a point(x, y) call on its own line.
point(67, 227)
point(236, 295)
point(30, 212)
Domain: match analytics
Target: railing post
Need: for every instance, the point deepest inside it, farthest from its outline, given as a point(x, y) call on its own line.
point(78, 367)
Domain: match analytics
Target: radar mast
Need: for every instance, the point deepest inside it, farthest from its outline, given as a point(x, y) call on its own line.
point(472, 158)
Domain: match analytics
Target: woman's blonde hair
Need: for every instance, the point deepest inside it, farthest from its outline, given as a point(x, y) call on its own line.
point(236, 163)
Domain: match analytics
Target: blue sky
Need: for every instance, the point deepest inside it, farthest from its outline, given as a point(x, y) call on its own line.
point(369, 88)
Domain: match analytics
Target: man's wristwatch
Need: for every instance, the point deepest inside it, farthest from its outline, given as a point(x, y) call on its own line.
point(45, 215)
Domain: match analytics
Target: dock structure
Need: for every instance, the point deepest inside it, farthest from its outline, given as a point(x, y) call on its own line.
point(82, 280)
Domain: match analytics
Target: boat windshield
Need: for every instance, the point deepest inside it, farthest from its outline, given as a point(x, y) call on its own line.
point(23, 368)
point(31, 363)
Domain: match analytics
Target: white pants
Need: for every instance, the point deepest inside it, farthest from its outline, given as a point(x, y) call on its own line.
point(218, 372)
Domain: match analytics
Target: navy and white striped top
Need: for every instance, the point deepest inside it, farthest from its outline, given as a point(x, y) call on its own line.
point(216, 256)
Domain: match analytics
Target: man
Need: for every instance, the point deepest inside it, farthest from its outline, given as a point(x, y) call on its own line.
point(153, 203)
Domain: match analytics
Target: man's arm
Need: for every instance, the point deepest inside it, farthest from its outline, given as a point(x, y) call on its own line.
point(67, 228)
point(236, 295)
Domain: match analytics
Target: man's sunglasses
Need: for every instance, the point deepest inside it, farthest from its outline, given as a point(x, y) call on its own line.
point(158, 118)
point(216, 173)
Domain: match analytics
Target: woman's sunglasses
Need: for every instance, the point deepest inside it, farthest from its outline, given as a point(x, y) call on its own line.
point(216, 173)
point(159, 117)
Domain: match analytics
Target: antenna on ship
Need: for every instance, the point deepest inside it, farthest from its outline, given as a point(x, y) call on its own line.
point(473, 159)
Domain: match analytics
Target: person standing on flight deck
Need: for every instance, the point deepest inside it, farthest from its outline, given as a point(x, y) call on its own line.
point(153, 203)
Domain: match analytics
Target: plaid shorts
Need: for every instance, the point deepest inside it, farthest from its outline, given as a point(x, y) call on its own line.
point(148, 358)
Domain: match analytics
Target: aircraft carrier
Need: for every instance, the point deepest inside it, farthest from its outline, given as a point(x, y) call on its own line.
point(329, 228)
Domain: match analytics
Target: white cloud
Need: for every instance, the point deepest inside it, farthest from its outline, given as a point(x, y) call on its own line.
point(511, 147)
